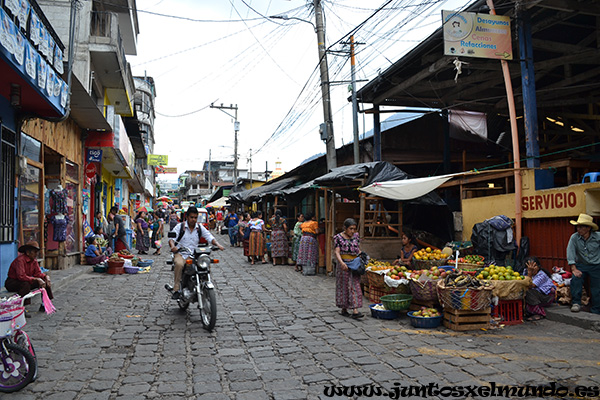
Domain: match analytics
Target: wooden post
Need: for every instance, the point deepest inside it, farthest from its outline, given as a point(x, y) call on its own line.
point(361, 221)
point(62, 251)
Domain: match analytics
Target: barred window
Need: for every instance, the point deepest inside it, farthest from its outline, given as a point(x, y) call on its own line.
point(7, 186)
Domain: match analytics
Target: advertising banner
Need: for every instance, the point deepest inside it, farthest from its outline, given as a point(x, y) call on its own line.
point(156, 159)
point(166, 170)
point(477, 35)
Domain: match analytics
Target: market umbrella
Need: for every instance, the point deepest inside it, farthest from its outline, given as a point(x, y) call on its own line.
point(165, 198)
point(160, 204)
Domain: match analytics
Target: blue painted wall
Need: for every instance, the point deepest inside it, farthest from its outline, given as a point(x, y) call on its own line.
point(8, 251)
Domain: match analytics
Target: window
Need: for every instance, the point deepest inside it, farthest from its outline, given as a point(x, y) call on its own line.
point(29, 184)
point(7, 186)
point(31, 148)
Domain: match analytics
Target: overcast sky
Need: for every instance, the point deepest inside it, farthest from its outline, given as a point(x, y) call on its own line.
point(230, 52)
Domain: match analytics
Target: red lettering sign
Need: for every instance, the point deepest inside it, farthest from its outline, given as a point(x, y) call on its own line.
point(90, 170)
point(549, 201)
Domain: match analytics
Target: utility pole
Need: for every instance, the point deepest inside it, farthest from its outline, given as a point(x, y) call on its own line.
point(236, 128)
point(250, 161)
point(354, 102)
point(328, 116)
point(209, 171)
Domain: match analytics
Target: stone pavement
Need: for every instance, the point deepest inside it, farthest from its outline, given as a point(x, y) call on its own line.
point(278, 336)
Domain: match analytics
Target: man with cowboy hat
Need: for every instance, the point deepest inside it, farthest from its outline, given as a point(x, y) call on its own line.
point(25, 274)
point(583, 256)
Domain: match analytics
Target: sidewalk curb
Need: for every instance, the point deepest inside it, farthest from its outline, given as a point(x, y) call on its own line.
point(582, 319)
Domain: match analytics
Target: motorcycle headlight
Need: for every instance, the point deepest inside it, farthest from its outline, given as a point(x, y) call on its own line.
point(204, 261)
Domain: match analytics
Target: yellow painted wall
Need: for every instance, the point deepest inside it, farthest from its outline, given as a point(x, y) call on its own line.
point(567, 201)
point(109, 180)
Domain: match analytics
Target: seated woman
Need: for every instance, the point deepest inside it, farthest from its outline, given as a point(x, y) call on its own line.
point(541, 294)
point(102, 241)
point(408, 249)
point(92, 253)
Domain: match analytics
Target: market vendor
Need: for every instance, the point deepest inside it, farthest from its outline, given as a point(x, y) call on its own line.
point(541, 294)
point(25, 274)
point(408, 249)
point(583, 256)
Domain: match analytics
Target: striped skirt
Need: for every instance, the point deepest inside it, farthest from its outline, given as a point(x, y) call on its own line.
point(279, 243)
point(308, 251)
point(347, 289)
point(257, 244)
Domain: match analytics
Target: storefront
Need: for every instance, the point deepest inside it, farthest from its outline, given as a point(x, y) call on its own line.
point(546, 215)
point(50, 191)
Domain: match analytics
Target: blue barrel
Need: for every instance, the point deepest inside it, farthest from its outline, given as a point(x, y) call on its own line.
point(129, 238)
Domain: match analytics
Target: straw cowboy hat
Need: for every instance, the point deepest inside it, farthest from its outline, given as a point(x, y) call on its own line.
point(585, 219)
point(33, 245)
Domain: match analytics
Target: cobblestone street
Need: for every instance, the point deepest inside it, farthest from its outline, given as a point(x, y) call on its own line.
point(278, 336)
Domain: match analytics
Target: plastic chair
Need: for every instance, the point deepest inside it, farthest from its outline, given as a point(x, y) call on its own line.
point(591, 177)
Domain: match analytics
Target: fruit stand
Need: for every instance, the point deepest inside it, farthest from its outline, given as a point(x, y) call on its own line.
point(464, 295)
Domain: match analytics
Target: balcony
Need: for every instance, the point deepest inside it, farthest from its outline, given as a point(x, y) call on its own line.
point(109, 62)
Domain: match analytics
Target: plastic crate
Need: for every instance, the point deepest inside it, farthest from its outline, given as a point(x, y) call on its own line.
point(510, 311)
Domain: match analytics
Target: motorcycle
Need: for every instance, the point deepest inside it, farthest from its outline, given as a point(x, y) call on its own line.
point(197, 286)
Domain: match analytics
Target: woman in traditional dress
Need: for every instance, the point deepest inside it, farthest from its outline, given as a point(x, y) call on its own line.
point(243, 227)
point(541, 294)
point(142, 243)
point(257, 239)
point(308, 251)
point(157, 232)
point(279, 239)
point(348, 295)
point(297, 237)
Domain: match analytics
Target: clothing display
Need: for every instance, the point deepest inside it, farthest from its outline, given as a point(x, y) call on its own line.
point(60, 223)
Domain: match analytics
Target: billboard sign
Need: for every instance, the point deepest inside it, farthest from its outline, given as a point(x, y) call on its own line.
point(156, 159)
point(477, 35)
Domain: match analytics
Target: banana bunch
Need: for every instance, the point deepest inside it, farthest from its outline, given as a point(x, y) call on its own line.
point(458, 280)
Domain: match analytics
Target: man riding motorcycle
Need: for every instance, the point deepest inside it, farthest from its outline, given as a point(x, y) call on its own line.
point(189, 239)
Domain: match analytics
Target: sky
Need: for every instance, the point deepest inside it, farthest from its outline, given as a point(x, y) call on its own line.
point(230, 52)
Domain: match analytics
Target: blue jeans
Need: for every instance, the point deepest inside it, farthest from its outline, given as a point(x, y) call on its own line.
point(232, 236)
point(593, 271)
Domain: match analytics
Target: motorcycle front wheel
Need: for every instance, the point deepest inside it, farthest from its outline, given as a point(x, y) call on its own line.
point(208, 312)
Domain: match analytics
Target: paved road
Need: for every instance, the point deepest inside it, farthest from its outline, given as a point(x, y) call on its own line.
point(278, 336)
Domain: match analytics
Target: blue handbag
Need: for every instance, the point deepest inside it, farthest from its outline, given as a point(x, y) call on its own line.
point(357, 266)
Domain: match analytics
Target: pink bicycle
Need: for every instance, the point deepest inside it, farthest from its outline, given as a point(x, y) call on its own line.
point(18, 363)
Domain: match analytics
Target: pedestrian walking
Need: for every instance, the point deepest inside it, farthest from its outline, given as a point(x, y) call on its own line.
point(244, 230)
point(296, 238)
point(279, 239)
point(348, 295)
point(308, 251)
point(232, 221)
point(257, 239)
point(583, 256)
point(142, 243)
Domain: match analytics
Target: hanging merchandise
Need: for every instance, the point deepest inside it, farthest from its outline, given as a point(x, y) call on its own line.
point(60, 221)
point(23, 14)
point(85, 195)
point(59, 201)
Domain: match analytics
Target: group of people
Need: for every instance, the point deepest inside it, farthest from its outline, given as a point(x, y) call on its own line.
point(144, 222)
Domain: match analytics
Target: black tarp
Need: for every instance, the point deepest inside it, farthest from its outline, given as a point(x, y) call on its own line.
point(271, 189)
point(377, 171)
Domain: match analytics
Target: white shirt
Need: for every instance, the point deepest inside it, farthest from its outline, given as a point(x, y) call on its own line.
point(190, 237)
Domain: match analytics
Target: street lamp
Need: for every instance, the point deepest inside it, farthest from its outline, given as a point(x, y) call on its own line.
point(285, 17)
point(327, 114)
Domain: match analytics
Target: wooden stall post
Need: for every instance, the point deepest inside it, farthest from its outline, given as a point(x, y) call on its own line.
point(62, 251)
point(361, 221)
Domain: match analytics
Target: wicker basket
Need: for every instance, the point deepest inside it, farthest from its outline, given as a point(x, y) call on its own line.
point(464, 298)
point(426, 264)
point(374, 293)
point(425, 291)
point(396, 302)
point(375, 279)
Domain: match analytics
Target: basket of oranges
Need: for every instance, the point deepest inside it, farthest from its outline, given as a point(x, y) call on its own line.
point(428, 257)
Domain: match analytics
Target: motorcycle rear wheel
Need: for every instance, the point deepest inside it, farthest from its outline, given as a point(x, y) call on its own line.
point(208, 312)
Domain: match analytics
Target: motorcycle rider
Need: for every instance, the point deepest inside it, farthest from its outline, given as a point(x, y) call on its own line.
point(189, 239)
